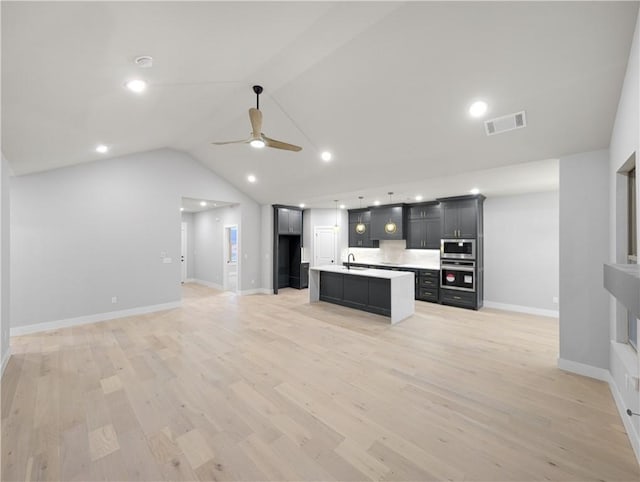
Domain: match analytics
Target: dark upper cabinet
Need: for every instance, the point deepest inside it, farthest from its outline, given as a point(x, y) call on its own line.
point(387, 215)
point(461, 217)
point(424, 226)
point(359, 237)
point(289, 221)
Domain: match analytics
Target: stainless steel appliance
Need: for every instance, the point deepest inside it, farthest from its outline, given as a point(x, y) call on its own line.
point(458, 275)
point(458, 249)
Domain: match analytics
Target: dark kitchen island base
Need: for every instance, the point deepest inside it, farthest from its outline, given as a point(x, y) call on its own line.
point(386, 293)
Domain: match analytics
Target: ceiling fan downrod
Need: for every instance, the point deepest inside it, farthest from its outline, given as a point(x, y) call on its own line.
point(258, 90)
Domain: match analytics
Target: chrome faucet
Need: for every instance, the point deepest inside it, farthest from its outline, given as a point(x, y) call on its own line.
point(348, 258)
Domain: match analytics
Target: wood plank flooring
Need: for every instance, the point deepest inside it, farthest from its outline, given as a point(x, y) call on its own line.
point(272, 388)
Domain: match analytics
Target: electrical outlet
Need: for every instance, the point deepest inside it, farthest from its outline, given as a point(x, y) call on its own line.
point(556, 300)
point(114, 299)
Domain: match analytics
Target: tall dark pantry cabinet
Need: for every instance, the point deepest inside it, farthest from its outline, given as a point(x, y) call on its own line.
point(288, 269)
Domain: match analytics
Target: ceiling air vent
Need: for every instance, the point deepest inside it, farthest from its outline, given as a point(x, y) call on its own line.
point(505, 123)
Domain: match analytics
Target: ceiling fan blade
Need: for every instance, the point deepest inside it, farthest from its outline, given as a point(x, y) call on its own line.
point(244, 141)
point(280, 144)
point(256, 122)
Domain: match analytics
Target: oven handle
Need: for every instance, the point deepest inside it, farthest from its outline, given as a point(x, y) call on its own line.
point(457, 268)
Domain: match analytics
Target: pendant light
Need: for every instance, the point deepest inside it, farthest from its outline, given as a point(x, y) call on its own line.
point(390, 227)
point(360, 227)
point(336, 227)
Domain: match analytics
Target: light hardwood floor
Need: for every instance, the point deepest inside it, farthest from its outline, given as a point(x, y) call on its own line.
point(272, 388)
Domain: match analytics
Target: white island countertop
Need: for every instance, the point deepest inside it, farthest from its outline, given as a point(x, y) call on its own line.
point(400, 296)
point(369, 272)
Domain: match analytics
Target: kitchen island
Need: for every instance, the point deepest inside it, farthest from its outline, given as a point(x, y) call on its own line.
point(384, 292)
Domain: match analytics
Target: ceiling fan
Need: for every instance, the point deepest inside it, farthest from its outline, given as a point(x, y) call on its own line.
point(258, 139)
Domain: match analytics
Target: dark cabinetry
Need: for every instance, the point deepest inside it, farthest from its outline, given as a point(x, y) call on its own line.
point(360, 292)
point(424, 226)
point(460, 218)
point(360, 229)
point(428, 281)
point(288, 271)
point(387, 222)
point(289, 221)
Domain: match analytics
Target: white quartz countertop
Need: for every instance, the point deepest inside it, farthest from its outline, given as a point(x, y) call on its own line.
point(435, 265)
point(370, 272)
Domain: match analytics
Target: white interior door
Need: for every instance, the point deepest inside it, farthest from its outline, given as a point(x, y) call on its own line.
point(325, 246)
point(183, 254)
point(231, 243)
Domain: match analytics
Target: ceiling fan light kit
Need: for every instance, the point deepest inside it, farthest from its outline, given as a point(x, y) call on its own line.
point(258, 140)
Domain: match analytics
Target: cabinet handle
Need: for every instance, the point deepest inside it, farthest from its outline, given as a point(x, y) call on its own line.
point(457, 298)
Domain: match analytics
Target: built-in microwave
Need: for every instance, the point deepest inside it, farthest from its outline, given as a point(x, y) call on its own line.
point(458, 249)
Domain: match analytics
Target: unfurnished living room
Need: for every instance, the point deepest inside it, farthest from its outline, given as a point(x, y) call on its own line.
point(317, 241)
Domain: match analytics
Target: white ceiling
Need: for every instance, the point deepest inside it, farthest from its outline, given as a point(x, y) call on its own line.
point(385, 86)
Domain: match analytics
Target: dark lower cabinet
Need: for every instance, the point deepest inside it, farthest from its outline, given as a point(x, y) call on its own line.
point(331, 287)
point(464, 299)
point(354, 291)
point(428, 281)
point(380, 296)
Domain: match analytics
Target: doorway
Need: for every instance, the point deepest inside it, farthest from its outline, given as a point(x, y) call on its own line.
point(230, 257)
point(325, 245)
point(183, 253)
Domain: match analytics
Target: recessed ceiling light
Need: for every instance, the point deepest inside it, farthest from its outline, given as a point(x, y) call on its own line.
point(181, 209)
point(326, 156)
point(251, 178)
point(257, 143)
point(418, 197)
point(215, 204)
point(475, 190)
point(301, 205)
point(376, 203)
point(478, 108)
point(342, 206)
point(101, 148)
point(203, 204)
point(136, 85)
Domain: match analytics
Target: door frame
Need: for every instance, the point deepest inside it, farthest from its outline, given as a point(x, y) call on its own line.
point(316, 230)
point(184, 252)
point(225, 249)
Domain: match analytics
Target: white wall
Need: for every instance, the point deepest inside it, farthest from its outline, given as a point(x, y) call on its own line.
point(4, 263)
point(266, 247)
point(625, 140)
point(83, 234)
point(521, 251)
point(584, 248)
point(208, 231)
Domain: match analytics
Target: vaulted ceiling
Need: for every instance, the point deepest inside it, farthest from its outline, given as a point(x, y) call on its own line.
point(385, 86)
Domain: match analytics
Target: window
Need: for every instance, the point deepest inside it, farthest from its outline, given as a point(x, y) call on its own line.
point(632, 250)
point(633, 217)
point(232, 243)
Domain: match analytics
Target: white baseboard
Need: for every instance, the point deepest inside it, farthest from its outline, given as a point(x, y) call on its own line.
point(256, 291)
point(85, 320)
point(5, 360)
point(190, 280)
point(584, 369)
point(210, 284)
point(605, 375)
point(634, 437)
point(521, 309)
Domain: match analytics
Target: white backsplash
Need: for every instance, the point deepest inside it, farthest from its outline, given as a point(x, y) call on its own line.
point(393, 252)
